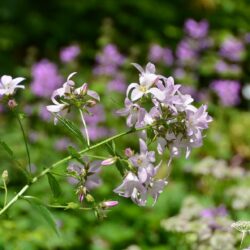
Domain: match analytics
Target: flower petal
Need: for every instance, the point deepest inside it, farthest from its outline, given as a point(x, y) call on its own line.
point(136, 94)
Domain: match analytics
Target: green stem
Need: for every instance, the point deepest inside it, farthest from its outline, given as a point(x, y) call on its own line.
point(67, 207)
point(85, 127)
point(66, 159)
point(25, 142)
point(5, 193)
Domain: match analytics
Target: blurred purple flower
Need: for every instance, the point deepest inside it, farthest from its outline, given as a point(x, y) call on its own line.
point(223, 67)
point(196, 29)
point(118, 84)
point(220, 211)
point(96, 115)
point(228, 91)
point(232, 49)
point(44, 114)
point(158, 54)
point(62, 144)
point(185, 52)
point(68, 54)
point(97, 132)
point(108, 61)
point(45, 78)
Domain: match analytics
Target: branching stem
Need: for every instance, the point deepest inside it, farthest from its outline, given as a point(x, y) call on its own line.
point(64, 160)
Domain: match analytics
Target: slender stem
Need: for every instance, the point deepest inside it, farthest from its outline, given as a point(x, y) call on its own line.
point(96, 157)
point(5, 193)
point(67, 207)
point(47, 170)
point(25, 142)
point(85, 127)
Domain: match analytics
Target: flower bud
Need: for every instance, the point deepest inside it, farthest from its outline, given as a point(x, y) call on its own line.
point(107, 204)
point(129, 152)
point(84, 89)
point(90, 198)
point(5, 176)
point(81, 191)
point(91, 103)
point(12, 103)
point(109, 161)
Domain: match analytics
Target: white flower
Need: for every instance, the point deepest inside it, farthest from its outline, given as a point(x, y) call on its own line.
point(8, 85)
point(147, 79)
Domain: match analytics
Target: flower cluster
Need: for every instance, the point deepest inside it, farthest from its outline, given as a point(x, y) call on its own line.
point(157, 101)
point(209, 226)
point(141, 182)
point(176, 124)
point(67, 96)
point(85, 176)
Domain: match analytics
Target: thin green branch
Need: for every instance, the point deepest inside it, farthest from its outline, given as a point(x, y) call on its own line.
point(25, 142)
point(5, 193)
point(85, 127)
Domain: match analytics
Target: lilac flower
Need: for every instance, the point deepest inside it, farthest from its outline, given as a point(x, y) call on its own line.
point(87, 176)
point(144, 162)
point(45, 78)
point(232, 49)
point(169, 90)
point(135, 114)
point(196, 29)
point(228, 91)
point(139, 184)
point(132, 187)
point(197, 121)
point(68, 54)
point(156, 188)
point(68, 92)
point(147, 79)
point(8, 85)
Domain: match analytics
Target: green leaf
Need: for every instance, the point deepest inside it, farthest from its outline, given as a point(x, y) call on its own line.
point(72, 128)
point(120, 167)
point(54, 185)
point(6, 148)
point(43, 212)
point(73, 152)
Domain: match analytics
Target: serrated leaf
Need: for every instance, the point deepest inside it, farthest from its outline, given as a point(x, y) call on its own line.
point(72, 128)
point(43, 212)
point(54, 185)
point(6, 148)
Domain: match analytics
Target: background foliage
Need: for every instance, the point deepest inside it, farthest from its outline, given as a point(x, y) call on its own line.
point(34, 30)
